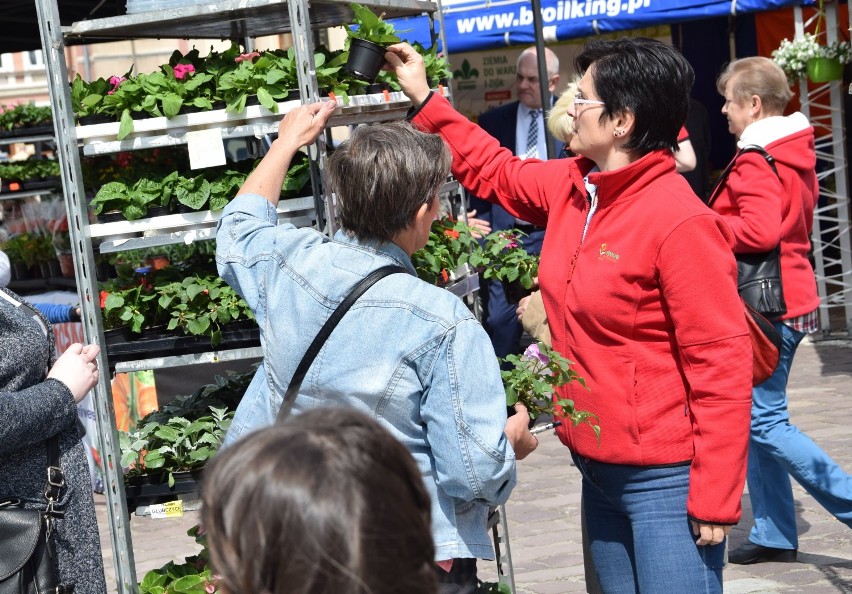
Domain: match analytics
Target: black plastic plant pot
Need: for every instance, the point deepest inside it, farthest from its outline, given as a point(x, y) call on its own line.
point(379, 87)
point(365, 59)
point(514, 291)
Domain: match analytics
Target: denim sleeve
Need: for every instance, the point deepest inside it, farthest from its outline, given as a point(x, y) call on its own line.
point(465, 414)
point(245, 238)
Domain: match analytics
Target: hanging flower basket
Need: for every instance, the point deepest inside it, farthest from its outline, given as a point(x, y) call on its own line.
point(822, 70)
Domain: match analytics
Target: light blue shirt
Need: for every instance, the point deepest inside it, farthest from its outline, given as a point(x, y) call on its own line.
point(408, 353)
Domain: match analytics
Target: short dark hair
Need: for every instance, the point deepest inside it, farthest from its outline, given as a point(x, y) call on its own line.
point(328, 502)
point(382, 174)
point(647, 77)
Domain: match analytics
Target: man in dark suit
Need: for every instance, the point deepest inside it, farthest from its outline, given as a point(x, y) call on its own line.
point(518, 126)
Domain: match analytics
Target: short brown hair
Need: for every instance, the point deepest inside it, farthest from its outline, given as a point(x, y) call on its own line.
point(757, 76)
point(382, 174)
point(328, 502)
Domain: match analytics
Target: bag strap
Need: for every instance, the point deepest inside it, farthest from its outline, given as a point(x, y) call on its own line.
point(749, 148)
point(55, 479)
point(325, 332)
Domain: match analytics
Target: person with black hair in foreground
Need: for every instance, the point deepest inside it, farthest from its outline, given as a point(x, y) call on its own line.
point(639, 286)
point(328, 502)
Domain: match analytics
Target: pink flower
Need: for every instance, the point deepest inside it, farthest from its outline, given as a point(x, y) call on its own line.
point(210, 587)
point(115, 81)
point(533, 352)
point(182, 70)
point(249, 56)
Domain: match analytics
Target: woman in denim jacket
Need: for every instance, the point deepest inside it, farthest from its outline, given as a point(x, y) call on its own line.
point(409, 353)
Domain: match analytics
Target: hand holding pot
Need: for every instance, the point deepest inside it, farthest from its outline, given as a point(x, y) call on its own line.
point(404, 60)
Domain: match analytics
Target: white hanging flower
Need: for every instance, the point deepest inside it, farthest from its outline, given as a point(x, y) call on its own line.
point(792, 56)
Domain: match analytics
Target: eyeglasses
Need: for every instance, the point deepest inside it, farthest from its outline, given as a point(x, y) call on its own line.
point(581, 101)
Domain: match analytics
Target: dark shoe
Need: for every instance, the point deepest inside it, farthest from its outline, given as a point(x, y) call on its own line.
point(749, 553)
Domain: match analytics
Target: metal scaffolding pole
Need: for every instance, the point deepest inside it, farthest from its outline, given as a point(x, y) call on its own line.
point(831, 242)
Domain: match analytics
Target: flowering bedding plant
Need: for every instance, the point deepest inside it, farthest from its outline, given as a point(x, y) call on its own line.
point(451, 244)
point(793, 56)
point(533, 379)
point(507, 260)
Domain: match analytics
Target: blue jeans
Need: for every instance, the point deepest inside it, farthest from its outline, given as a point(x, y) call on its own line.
point(777, 451)
point(640, 536)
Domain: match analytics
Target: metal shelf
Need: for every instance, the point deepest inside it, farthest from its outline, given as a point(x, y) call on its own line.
point(229, 19)
point(7, 140)
point(192, 359)
point(185, 227)
point(30, 193)
point(257, 121)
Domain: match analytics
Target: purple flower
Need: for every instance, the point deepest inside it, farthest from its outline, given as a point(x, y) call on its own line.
point(249, 56)
point(115, 81)
point(182, 70)
point(533, 352)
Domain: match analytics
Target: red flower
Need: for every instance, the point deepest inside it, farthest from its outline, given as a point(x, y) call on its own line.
point(451, 233)
point(104, 296)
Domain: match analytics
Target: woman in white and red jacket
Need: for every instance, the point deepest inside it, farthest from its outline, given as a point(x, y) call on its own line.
point(762, 210)
point(639, 286)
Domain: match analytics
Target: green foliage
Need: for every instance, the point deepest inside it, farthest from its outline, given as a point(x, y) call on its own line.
point(371, 27)
point(193, 301)
point(175, 446)
point(437, 67)
point(133, 192)
point(493, 588)
point(269, 75)
point(330, 77)
point(30, 169)
point(533, 379)
point(24, 115)
point(451, 244)
point(30, 248)
point(507, 260)
point(194, 576)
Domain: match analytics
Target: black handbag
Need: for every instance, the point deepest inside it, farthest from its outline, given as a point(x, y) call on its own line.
point(28, 563)
point(758, 274)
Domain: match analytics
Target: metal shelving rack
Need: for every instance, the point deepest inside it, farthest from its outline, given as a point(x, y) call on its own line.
point(229, 19)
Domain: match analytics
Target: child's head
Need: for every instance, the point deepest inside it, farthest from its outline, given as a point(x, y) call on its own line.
point(327, 502)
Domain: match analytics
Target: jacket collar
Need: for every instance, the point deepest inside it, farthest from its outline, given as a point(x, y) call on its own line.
point(623, 182)
point(386, 249)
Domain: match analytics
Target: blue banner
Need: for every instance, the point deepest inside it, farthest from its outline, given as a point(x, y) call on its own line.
point(475, 26)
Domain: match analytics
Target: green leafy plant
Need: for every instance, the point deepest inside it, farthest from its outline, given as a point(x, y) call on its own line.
point(532, 380)
point(269, 75)
point(330, 77)
point(175, 446)
point(31, 249)
point(451, 244)
point(194, 576)
point(371, 27)
point(29, 169)
point(24, 115)
point(201, 305)
point(507, 260)
point(437, 67)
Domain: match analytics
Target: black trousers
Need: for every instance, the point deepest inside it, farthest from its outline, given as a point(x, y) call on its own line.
point(460, 580)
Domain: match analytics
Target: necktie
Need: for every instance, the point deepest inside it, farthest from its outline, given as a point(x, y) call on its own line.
point(532, 136)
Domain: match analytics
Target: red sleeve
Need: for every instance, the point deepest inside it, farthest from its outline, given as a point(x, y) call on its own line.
point(682, 135)
point(756, 193)
point(525, 188)
point(698, 280)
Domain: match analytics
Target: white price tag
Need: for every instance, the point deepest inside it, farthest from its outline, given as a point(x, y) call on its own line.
point(206, 148)
point(170, 509)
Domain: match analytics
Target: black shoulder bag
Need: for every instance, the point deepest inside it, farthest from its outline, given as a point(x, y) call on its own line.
point(759, 274)
point(325, 332)
point(28, 563)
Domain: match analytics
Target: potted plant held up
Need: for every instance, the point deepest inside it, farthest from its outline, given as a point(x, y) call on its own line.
point(367, 43)
point(508, 262)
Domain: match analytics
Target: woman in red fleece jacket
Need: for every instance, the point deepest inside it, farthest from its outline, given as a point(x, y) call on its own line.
point(639, 286)
point(762, 210)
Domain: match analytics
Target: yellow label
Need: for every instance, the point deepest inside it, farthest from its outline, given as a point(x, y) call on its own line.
point(170, 509)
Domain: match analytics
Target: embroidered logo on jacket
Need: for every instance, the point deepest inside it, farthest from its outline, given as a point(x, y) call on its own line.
point(605, 254)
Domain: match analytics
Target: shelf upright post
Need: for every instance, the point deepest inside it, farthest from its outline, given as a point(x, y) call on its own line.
point(53, 46)
point(306, 75)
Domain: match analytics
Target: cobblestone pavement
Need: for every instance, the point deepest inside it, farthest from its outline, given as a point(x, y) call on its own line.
point(543, 522)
